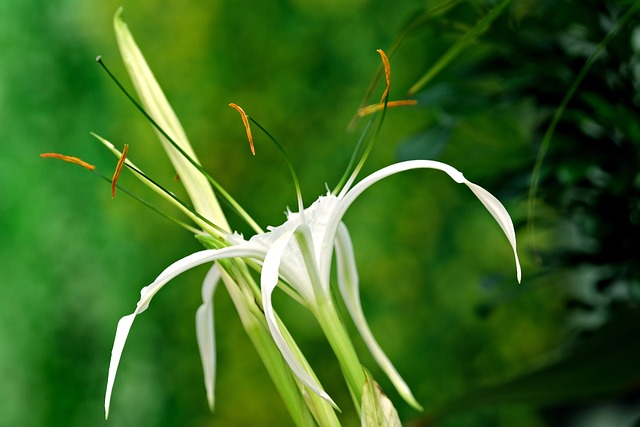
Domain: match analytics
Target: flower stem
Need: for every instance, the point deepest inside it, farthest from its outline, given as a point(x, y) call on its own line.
point(331, 324)
point(258, 333)
point(306, 409)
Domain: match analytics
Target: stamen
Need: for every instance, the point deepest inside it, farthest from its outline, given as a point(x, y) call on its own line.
point(118, 170)
point(234, 205)
point(387, 73)
point(245, 120)
point(370, 109)
point(350, 175)
point(69, 159)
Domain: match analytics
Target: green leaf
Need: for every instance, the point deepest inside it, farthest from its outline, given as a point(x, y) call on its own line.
point(159, 109)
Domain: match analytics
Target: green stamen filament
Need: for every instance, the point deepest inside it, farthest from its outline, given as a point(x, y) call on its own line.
point(296, 183)
point(159, 188)
point(345, 183)
point(232, 202)
point(245, 120)
point(92, 168)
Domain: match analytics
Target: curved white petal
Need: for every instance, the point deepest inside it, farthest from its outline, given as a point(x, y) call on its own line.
point(501, 216)
point(124, 325)
point(348, 284)
point(268, 282)
point(205, 333)
point(292, 268)
point(148, 292)
point(347, 198)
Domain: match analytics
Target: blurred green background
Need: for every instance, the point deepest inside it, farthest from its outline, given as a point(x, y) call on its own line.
point(438, 284)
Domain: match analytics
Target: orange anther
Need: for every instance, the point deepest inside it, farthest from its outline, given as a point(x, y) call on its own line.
point(119, 166)
point(245, 120)
point(69, 159)
point(387, 73)
point(370, 109)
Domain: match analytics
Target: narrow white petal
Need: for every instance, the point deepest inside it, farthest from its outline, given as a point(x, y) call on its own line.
point(348, 197)
point(501, 216)
point(205, 333)
point(491, 203)
point(122, 331)
point(148, 292)
point(268, 282)
point(349, 288)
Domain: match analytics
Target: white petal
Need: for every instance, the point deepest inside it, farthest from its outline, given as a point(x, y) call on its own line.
point(122, 331)
point(205, 333)
point(491, 203)
point(268, 282)
point(501, 216)
point(347, 197)
point(148, 292)
point(348, 283)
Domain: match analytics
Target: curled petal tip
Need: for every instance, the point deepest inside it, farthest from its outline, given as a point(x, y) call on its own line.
point(500, 214)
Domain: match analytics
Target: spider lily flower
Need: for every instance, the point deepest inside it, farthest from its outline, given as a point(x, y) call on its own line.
point(305, 408)
point(298, 255)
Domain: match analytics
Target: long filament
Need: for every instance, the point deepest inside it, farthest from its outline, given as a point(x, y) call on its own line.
point(232, 202)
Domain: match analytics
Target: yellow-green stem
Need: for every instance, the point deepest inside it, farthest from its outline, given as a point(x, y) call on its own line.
point(336, 334)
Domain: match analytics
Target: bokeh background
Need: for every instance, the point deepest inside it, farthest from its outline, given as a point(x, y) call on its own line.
point(438, 282)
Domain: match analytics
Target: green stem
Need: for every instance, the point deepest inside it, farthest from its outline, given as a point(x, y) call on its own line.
point(232, 202)
point(263, 343)
point(306, 409)
point(332, 326)
point(321, 304)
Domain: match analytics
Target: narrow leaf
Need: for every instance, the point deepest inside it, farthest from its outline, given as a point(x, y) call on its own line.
point(157, 106)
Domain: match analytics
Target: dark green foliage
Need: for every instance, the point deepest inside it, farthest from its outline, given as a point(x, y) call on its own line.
point(588, 192)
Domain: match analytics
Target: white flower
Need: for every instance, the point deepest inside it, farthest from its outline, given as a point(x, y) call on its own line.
point(299, 254)
point(296, 255)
